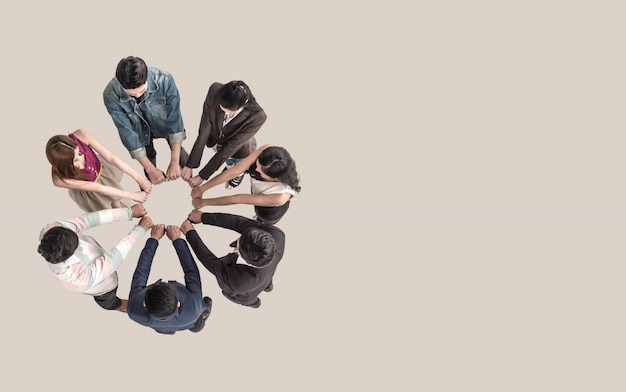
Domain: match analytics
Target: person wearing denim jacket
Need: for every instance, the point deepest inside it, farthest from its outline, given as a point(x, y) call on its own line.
point(144, 104)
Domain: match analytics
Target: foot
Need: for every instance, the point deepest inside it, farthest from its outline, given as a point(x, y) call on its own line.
point(269, 288)
point(205, 315)
point(235, 182)
point(256, 304)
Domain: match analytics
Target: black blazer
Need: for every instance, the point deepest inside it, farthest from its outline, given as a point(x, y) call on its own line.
point(241, 282)
point(236, 138)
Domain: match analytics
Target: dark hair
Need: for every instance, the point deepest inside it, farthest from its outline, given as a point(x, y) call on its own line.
point(60, 154)
point(277, 163)
point(161, 299)
point(131, 72)
point(236, 94)
point(58, 244)
point(257, 246)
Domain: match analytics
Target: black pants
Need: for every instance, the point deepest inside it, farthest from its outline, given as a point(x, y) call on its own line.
point(151, 152)
point(271, 215)
point(108, 301)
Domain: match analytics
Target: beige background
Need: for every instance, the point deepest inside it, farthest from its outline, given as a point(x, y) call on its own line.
point(461, 224)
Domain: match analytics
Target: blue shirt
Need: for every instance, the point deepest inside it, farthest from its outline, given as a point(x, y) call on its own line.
point(158, 113)
point(189, 295)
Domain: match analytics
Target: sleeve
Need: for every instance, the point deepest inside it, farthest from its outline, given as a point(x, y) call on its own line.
point(142, 271)
point(206, 257)
point(204, 132)
point(107, 264)
point(247, 130)
point(174, 118)
point(192, 274)
point(228, 221)
point(127, 134)
point(94, 219)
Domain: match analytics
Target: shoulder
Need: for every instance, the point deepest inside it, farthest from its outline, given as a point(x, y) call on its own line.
point(82, 134)
point(112, 89)
point(215, 88)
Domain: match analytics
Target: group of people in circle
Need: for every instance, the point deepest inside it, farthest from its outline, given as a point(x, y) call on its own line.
point(144, 104)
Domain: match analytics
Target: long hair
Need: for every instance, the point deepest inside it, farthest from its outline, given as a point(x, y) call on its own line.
point(236, 94)
point(60, 154)
point(277, 163)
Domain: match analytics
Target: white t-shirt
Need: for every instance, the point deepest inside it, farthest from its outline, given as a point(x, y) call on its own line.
point(270, 187)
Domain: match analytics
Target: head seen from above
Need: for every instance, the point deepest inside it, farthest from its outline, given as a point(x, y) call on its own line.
point(275, 163)
point(233, 96)
point(132, 73)
point(65, 157)
point(58, 244)
point(257, 247)
point(161, 300)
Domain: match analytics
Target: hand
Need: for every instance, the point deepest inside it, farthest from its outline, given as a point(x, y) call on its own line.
point(186, 173)
point(138, 210)
point(196, 192)
point(139, 196)
point(158, 231)
point(173, 171)
point(145, 185)
point(145, 222)
point(173, 232)
point(195, 216)
point(197, 203)
point(156, 176)
point(186, 226)
point(195, 181)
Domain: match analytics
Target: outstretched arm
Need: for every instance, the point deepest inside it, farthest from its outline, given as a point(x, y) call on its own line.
point(274, 200)
point(229, 174)
point(107, 155)
point(192, 274)
point(94, 219)
point(144, 265)
point(139, 196)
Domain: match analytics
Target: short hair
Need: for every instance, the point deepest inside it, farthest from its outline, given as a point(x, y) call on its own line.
point(233, 95)
point(161, 299)
point(131, 72)
point(58, 244)
point(257, 246)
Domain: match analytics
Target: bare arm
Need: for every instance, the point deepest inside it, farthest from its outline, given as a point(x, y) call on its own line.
point(229, 174)
point(89, 186)
point(108, 156)
point(274, 200)
point(173, 170)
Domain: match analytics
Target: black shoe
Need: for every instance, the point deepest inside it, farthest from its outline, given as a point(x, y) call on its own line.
point(209, 304)
point(235, 182)
point(269, 288)
point(256, 304)
point(205, 315)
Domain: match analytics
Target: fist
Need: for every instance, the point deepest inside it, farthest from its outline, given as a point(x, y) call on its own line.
point(195, 216)
point(145, 222)
point(138, 210)
point(158, 231)
point(173, 232)
point(186, 226)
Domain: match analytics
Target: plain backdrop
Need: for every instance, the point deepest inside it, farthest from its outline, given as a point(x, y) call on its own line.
point(461, 222)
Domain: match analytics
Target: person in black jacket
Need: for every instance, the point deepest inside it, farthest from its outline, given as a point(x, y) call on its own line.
point(247, 271)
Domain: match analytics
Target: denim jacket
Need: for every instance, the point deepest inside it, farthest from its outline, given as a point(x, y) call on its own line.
point(161, 106)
